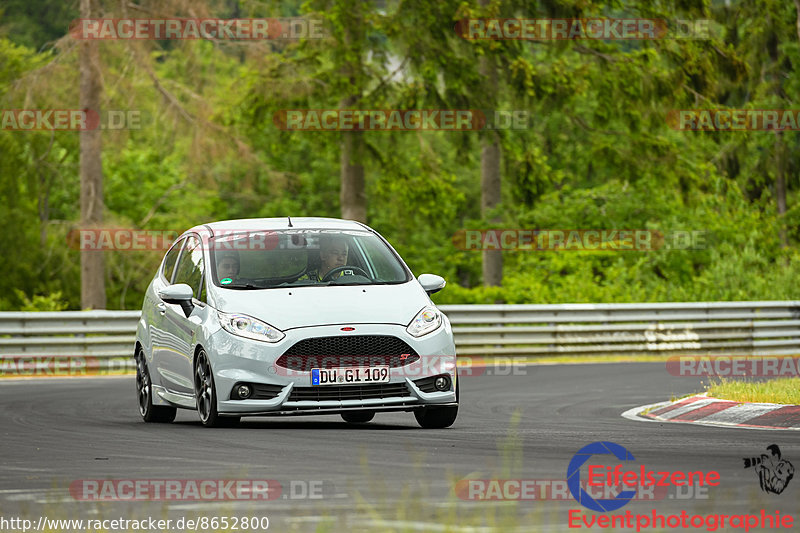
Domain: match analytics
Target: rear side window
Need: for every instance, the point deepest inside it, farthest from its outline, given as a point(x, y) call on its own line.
point(171, 259)
point(190, 266)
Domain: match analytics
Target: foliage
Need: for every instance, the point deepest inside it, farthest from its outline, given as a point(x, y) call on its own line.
point(597, 152)
point(49, 302)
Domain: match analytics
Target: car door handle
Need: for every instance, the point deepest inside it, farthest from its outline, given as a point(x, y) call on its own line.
point(162, 308)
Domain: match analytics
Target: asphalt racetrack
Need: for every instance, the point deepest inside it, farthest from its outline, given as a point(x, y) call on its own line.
point(389, 475)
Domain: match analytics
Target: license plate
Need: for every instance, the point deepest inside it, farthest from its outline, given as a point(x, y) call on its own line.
point(347, 375)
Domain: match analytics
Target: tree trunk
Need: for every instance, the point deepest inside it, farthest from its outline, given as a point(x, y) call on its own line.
point(352, 196)
point(490, 197)
point(797, 24)
point(780, 181)
point(490, 178)
point(780, 186)
point(352, 193)
point(93, 287)
point(780, 192)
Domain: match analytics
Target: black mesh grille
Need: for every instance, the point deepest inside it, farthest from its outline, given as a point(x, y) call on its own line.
point(426, 384)
point(348, 392)
point(265, 392)
point(260, 391)
point(347, 350)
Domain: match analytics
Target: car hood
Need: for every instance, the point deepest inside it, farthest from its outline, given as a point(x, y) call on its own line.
point(297, 307)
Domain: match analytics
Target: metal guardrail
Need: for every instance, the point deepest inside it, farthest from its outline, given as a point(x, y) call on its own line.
point(68, 333)
point(696, 328)
point(700, 328)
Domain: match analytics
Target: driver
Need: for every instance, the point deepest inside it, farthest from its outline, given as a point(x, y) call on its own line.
point(227, 265)
point(332, 254)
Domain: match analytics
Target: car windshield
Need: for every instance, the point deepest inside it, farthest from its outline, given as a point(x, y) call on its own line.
point(246, 260)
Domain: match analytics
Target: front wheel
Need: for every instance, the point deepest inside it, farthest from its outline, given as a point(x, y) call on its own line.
point(144, 395)
point(205, 394)
point(437, 417)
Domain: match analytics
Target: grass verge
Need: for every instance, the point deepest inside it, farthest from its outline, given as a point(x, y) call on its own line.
point(781, 390)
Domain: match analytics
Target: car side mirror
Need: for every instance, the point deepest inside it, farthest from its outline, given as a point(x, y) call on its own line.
point(431, 283)
point(178, 294)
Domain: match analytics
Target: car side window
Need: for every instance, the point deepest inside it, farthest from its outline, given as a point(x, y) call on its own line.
point(170, 260)
point(190, 266)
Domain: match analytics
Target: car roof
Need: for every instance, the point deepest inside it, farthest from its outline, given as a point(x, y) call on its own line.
point(259, 224)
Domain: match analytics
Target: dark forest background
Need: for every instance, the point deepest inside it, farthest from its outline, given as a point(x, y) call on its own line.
point(597, 153)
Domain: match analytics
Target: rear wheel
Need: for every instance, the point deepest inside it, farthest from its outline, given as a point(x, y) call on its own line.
point(437, 417)
point(144, 395)
point(205, 394)
point(358, 417)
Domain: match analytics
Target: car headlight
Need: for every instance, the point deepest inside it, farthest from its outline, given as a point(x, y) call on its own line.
point(427, 320)
point(247, 326)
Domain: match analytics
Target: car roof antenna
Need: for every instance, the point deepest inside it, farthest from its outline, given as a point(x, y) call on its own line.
point(290, 222)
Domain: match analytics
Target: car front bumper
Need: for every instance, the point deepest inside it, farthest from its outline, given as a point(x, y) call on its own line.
point(236, 360)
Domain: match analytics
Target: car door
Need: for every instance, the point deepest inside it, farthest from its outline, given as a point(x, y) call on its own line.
point(176, 357)
point(154, 309)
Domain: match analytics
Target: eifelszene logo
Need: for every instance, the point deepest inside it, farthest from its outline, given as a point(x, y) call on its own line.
point(574, 476)
point(774, 472)
point(640, 476)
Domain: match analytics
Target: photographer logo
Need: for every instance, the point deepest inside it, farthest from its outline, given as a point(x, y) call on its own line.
point(774, 472)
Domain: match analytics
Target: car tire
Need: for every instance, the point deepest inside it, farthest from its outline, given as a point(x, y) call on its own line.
point(438, 417)
point(205, 394)
point(358, 417)
point(144, 394)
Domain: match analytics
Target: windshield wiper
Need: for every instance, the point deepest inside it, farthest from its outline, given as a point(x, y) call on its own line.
point(299, 283)
point(241, 286)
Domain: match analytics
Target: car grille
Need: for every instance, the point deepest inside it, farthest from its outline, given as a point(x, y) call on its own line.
point(348, 392)
point(347, 350)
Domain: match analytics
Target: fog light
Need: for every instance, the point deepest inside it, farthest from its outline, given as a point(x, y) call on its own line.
point(441, 383)
point(243, 391)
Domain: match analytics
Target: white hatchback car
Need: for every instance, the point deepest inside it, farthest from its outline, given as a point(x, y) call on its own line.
point(287, 316)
